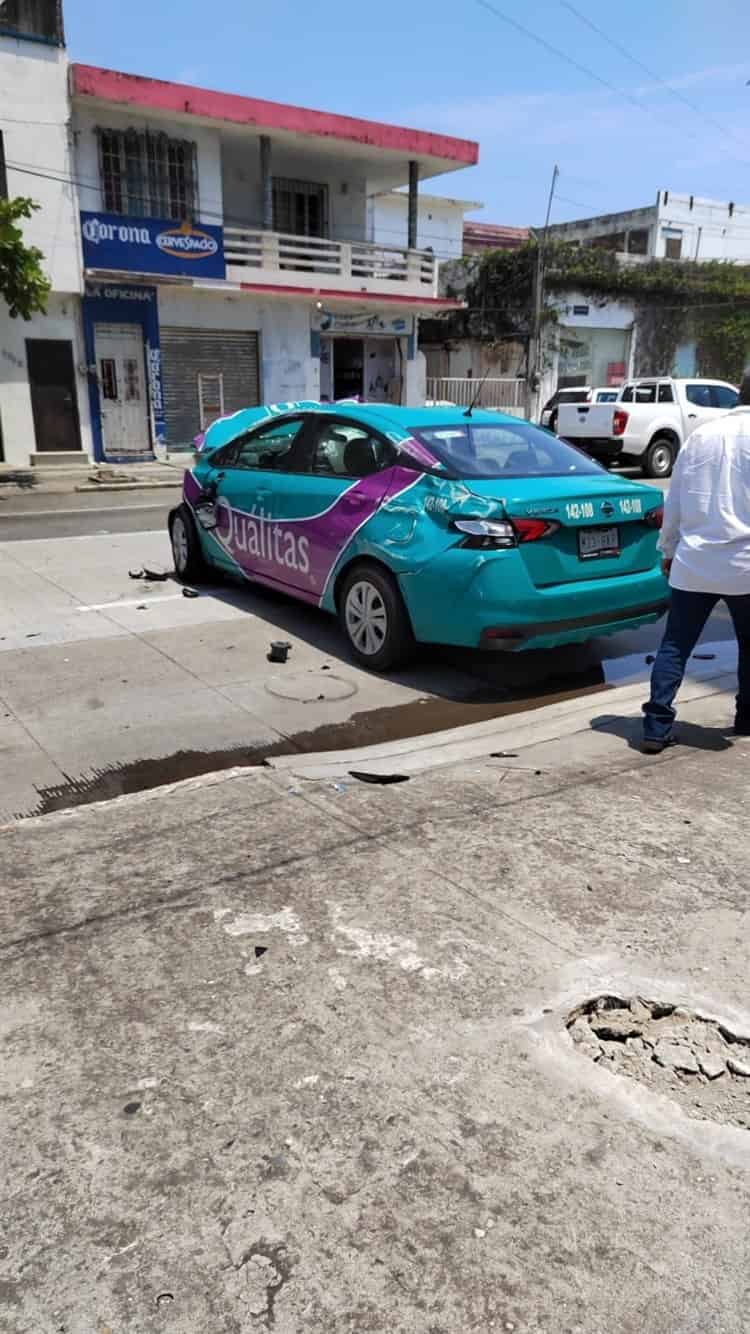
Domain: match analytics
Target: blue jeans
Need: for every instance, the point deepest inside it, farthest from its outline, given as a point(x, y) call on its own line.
point(688, 614)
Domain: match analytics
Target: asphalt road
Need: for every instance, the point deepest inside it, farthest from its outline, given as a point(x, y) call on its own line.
point(26, 515)
point(110, 683)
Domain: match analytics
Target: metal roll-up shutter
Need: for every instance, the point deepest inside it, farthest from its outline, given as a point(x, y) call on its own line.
point(188, 353)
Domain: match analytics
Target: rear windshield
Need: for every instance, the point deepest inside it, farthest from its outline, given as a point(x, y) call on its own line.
point(506, 450)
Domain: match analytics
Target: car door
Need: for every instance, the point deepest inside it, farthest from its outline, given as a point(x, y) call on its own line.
point(254, 478)
point(699, 405)
point(350, 469)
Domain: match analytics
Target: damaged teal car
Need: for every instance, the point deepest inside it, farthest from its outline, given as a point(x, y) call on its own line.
point(422, 525)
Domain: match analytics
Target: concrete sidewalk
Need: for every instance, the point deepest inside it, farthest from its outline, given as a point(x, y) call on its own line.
point(292, 1054)
point(58, 479)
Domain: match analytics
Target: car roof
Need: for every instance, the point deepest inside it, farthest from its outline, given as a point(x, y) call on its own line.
point(387, 414)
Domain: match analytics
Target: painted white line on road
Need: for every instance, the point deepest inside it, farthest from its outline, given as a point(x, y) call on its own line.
point(131, 602)
point(68, 514)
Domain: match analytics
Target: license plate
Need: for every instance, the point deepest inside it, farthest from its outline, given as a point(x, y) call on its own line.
point(594, 542)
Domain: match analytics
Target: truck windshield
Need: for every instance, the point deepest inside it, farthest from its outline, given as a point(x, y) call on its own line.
point(507, 449)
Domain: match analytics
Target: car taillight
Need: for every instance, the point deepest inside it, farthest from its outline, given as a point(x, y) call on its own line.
point(531, 530)
point(619, 422)
point(654, 518)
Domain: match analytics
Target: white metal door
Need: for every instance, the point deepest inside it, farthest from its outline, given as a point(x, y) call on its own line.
point(123, 396)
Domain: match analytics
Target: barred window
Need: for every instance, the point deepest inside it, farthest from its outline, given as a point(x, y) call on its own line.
point(148, 175)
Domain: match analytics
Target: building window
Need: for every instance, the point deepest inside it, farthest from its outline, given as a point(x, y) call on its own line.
point(638, 241)
point(148, 175)
point(39, 19)
point(3, 172)
point(300, 208)
point(673, 245)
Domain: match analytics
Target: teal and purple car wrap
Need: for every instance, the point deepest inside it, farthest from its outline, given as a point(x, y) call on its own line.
point(478, 530)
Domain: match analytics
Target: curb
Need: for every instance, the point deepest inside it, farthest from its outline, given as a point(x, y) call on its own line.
point(514, 732)
point(129, 486)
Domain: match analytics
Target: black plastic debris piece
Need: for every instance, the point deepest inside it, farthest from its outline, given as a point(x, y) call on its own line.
point(163, 1298)
point(131, 1108)
point(378, 778)
point(153, 576)
point(279, 650)
point(260, 950)
point(650, 657)
point(503, 754)
point(704, 657)
point(190, 593)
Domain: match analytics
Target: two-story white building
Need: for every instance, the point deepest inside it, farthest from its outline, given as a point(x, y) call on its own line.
point(597, 341)
point(208, 251)
point(227, 260)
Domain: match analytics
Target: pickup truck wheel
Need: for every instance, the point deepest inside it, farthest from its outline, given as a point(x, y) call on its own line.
point(659, 458)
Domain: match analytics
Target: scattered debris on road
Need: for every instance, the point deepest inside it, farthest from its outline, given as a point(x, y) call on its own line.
point(378, 778)
point(153, 576)
point(190, 593)
point(698, 1061)
point(280, 650)
point(503, 754)
point(704, 657)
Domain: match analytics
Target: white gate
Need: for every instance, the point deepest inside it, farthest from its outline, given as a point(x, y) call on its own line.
point(504, 395)
point(123, 395)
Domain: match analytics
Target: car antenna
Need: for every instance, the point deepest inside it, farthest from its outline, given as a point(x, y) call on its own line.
point(475, 399)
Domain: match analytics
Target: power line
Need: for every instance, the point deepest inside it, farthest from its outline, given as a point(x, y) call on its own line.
point(583, 69)
point(220, 216)
point(710, 120)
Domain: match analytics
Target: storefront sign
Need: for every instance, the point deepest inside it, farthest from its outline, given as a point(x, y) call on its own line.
point(152, 245)
point(362, 322)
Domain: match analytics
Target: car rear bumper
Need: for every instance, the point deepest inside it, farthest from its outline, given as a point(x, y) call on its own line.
point(509, 638)
point(499, 608)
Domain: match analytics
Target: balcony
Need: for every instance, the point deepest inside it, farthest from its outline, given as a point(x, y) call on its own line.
point(275, 260)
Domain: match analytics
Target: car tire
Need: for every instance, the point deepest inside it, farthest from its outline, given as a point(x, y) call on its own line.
point(374, 619)
point(660, 456)
point(189, 562)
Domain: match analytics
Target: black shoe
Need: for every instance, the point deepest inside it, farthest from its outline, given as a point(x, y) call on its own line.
point(654, 746)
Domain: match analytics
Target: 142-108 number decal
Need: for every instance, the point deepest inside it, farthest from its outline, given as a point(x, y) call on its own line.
point(584, 509)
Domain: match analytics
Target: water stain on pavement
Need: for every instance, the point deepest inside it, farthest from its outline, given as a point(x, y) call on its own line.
point(420, 717)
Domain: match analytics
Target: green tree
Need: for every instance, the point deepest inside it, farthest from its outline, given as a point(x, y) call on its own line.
point(23, 284)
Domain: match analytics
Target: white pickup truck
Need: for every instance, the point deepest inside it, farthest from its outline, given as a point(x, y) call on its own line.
point(648, 422)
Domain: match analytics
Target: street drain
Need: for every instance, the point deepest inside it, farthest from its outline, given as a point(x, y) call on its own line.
point(697, 1061)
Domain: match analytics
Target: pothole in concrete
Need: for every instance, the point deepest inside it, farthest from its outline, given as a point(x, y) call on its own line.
point(699, 1062)
point(308, 687)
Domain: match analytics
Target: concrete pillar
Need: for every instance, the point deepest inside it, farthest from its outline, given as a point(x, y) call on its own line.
point(413, 204)
point(266, 183)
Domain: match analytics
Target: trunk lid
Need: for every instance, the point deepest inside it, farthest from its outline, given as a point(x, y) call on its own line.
point(587, 509)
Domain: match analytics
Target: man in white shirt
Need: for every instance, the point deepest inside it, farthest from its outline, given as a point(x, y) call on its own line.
point(705, 544)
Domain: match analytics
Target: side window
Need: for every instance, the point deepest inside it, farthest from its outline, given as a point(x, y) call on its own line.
point(276, 447)
point(342, 449)
point(645, 393)
point(627, 395)
point(724, 397)
point(665, 393)
point(699, 395)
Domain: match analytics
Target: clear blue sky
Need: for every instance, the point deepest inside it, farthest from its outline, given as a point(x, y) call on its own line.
point(451, 65)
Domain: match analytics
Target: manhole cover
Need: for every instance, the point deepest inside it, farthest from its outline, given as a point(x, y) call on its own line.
point(698, 1061)
point(305, 687)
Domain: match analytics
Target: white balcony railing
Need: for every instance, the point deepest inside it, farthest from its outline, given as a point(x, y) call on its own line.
point(505, 395)
point(273, 259)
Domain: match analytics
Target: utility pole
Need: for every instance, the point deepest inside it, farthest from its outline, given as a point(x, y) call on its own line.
point(536, 351)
